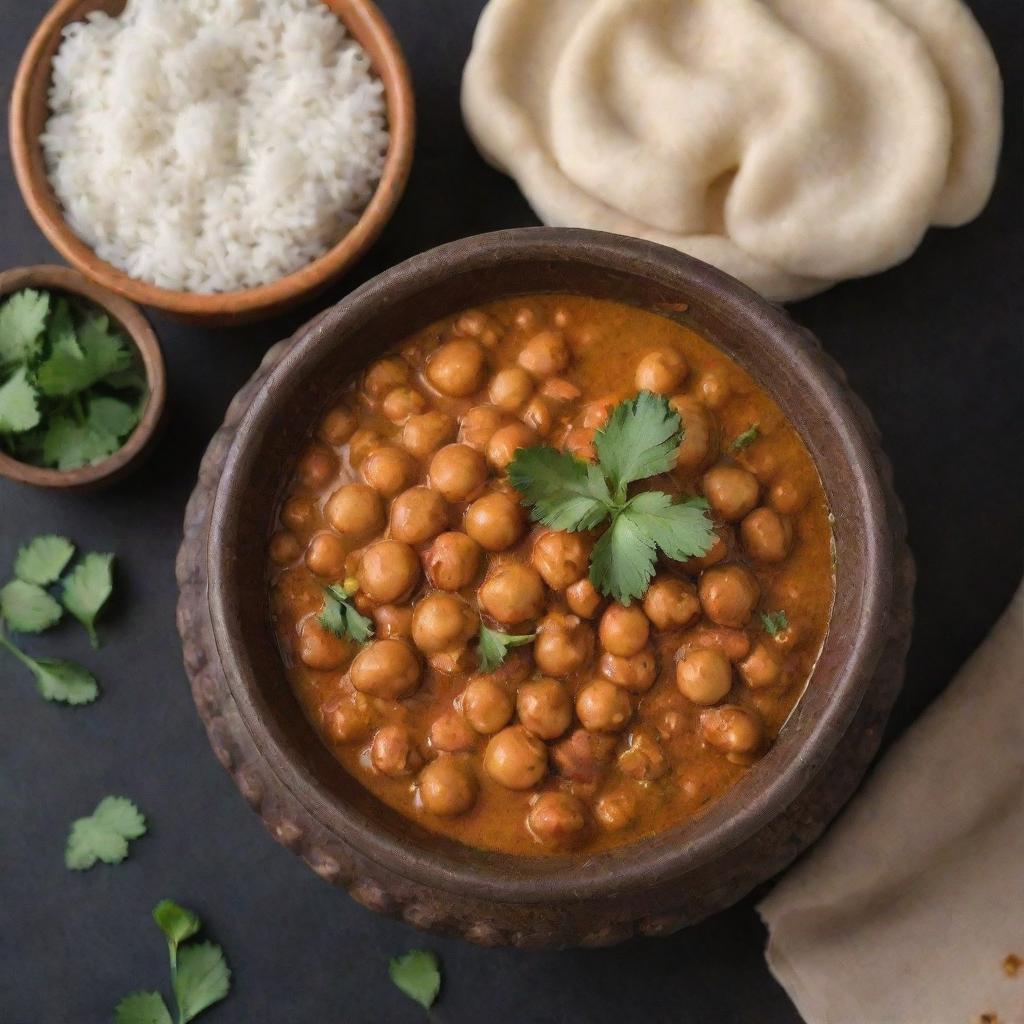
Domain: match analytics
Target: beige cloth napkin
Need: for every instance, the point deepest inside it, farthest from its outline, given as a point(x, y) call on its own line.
point(911, 910)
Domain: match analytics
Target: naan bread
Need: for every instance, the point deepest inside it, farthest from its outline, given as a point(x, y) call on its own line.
point(753, 135)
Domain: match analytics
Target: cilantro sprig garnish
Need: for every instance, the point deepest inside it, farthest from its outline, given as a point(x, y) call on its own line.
point(774, 622)
point(640, 440)
point(746, 439)
point(418, 975)
point(493, 646)
point(200, 975)
point(341, 617)
point(71, 390)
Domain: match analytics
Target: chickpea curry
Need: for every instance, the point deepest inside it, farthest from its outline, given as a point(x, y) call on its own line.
point(552, 575)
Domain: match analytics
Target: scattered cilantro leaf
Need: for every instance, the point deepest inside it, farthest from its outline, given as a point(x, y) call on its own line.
point(622, 562)
point(19, 410)
point(747, 438)
point(43, 559)
point(142, 1008)
point(681, 529)
point(22, 319)
point(341, 617)
point(774, 622)
point(639, 440)
point(86, 589)
point(69, 444)
point(418, 975)
point(104, 834)
point(562, 491)
point(175, 921)
point(201, 979)
point(27, 608)
point(493, 646)
point(58, 680)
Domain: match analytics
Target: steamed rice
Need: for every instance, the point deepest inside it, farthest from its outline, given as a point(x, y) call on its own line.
point(212, 145)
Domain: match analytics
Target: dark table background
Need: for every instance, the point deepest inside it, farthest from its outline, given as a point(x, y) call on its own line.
point(934, 347)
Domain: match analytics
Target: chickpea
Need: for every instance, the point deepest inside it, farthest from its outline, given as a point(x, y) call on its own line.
point(661, 372)
point(458, 368)
point(556, 818)
point(390, 470)
point(635, 673)
point(388, 571)
point(544, 708)
point(603, 707)
point(583, 756)
point(761, 667)
point(451, 732)
point(447, 786)
point(326, 554)
point(348, 720)
point(472, 323)
point(364, 441)
point(728, 595)
point(453, 561)
point(496, 521)
point(615, 809)
point(510, 388)
point(526, 318)
point(713, 389)
point(338, 425)
point(767, 536)
point(321, 649)
point(561, 558)
point(562, 317)
point(486, 705)
point(284, 548)
point(624, 630)
point(539, 416)
point(732, 730)
point(596, 413)
point(422, 435)
point(442, 622)
point(393, 621)
point(479, 424)
point(514, 594)
point(704, 676)
point(401, 403)
point(733, 643)
point(580, 442)
point(545, 355)
point(417, 515)
point(643, 759)
point(732, 492)
point(316, 466)
point(670, 603)
point(786, 497)
point(458, 472)
point(583, 599)
point(299, 515)
point(506, 441)
point(393, 751)
point(560, 390)
point(384, 375)
point(515, 759)
point(564, 644)
point(387, 669)
point(699, 442)
point(355, 511)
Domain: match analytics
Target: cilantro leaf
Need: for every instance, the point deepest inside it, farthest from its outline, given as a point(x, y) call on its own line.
point(28, 608)
point(43, 559)
point(142, 1008)
point(774, 622)
point(68, 444)
point(74, 365)
point(175, 921)
point(747, 438)
point(58, 680)
point(61, 328)
point(639, 440)
point(562, 491)
point(201, 979)
point(418, 975)
point(681, 529)
point(19, 410)
point(622, 563)
point(104, 834)
point(341, 617)
point(22, 319)
point(493, 646)
point(86, 589)
point(111, 416)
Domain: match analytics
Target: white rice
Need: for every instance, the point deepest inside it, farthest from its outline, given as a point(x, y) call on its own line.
point(212, 145)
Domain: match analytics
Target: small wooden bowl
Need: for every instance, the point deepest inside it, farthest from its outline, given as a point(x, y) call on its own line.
point(130, 319)
point(29, 112)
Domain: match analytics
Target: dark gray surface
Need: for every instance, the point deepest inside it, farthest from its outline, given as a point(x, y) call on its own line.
point(933, 346)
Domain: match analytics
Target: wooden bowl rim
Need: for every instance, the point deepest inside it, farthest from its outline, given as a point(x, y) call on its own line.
point(363, 19)
point(135, 325)
point(649, 862)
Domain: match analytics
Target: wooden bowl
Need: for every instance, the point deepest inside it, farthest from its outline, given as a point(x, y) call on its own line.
point(136, 327)
point(29, 111)
point(655, 886)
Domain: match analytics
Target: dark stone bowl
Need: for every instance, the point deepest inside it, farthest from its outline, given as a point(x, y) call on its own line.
point(389, 864)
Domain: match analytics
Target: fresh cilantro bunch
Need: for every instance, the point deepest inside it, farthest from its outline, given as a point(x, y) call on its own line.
point(640, 440)
point(71, 390)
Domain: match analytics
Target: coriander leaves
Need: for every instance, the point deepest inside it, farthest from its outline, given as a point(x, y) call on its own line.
point(86, 589)
point(43, 559)
point(640, 440)
point(418, 975)
point(341, 617)
point(746, 439)
point(104, 834)
point(57, 680)
point(493, 646)
point(774, 622)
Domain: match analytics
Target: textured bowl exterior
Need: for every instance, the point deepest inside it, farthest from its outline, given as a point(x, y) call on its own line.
point(650, 888)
